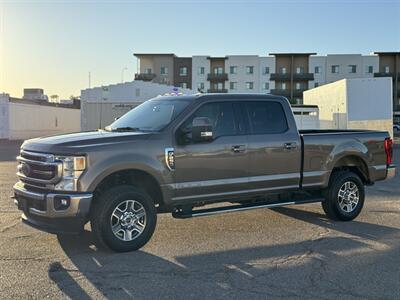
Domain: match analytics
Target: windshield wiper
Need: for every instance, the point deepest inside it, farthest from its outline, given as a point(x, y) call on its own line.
point(121, 129)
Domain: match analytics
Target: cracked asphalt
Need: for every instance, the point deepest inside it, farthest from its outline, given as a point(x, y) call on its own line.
point(291, 252)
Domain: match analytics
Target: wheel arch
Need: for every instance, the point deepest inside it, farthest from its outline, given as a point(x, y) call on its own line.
point(352, 163)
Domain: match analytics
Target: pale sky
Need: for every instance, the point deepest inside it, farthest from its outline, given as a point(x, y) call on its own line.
point(54, 44)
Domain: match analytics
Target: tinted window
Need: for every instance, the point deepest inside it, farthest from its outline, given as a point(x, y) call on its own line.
point(266, 117)
point(221, 116)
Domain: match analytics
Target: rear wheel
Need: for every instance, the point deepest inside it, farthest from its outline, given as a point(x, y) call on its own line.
point(124, 218)
point(344, 198)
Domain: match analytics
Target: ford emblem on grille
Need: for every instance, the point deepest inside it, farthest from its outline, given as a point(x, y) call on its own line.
point(25, 169)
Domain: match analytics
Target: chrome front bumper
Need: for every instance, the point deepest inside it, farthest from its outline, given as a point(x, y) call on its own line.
point(391, 171)
point(43, 204)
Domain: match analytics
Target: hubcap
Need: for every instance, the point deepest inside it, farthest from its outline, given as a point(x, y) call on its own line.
point(128, 220)
point(348, 196)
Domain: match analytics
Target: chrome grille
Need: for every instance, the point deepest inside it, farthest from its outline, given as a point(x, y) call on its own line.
point(38, 169)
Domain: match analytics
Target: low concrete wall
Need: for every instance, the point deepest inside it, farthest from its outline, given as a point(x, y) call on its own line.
point(29, 120)
point(384, 125)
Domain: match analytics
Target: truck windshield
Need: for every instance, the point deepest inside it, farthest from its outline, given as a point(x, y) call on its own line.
point(152, 115)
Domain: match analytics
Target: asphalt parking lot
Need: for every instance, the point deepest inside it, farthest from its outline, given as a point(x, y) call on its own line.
point(291, 252)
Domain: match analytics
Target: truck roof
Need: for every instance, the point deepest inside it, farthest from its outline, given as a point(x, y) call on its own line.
point(221, 96)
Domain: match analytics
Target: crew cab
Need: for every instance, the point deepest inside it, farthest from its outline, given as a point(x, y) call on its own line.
point(179, 154)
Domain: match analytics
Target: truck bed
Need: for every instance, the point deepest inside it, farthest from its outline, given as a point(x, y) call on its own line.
point(323, 150)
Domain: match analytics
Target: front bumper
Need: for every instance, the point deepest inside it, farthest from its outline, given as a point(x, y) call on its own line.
point(391, 171)
point(40, 211)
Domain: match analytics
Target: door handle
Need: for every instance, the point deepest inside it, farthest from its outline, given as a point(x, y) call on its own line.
point(289, 146)
point(238, 148)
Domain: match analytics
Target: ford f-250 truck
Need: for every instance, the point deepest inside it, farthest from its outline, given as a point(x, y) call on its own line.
point(178, 153)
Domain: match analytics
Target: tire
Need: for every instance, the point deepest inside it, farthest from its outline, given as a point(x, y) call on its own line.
point(340, 196)
point(123, 218)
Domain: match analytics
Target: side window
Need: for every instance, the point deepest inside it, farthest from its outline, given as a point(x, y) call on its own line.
point(221, 116)
point(266, 117)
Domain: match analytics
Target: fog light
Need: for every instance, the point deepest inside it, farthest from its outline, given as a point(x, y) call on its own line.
point(61, 202)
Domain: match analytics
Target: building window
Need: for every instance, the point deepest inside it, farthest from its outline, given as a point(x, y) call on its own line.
point(370, 69)
point(283, 86)
point(200, 71)
point(266, 86)
point(233, 85)
point(316, 84)
point(282, 70)
point(164, 71)
point(317, 70)
point(352, 69)
point(299, 70)
point(148, 71)
point(249, 85)
point(218, 70)
point(184, 85)
point(249, 70)
point(183, 71)
point(335, 69)
point(233, 69)
point(218, 86)
point(265, 70)
point(298, 86)
point(387, 69)
point(200, 86)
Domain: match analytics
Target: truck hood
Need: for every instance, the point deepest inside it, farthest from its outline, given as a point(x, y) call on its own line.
point(82, 142)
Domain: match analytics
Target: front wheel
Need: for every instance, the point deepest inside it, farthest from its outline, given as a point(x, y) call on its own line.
point(124, 218)
point(344, 198)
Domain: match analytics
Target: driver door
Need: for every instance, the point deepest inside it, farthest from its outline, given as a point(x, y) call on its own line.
point(214, 169)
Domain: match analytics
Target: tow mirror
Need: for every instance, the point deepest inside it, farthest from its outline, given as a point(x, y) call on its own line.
point(202, 130)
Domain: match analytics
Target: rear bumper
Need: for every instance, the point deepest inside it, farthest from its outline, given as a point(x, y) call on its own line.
point(43, 210)
point(391, 171)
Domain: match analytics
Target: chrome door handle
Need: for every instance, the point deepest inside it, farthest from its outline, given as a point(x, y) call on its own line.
point(238, 148)
point(289, 146)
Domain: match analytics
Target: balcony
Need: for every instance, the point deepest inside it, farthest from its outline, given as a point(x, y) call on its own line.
point(303, 76)
point(296, 76)
point(145, 76)
point(217, 91)
point(383, 74)
point(217, 77)
point(287, 92)
point(280, 92)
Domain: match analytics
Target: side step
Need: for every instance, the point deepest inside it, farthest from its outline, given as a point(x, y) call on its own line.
point(185, 214)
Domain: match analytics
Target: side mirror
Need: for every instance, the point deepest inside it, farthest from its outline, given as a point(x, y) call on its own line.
point(202, 130)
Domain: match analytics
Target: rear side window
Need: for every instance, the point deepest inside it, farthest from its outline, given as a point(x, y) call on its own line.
point(266, 117)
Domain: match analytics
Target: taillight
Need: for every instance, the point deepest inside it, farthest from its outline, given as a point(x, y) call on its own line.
point(389, 151)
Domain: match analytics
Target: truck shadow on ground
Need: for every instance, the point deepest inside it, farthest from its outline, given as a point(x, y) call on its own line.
point(311, 267)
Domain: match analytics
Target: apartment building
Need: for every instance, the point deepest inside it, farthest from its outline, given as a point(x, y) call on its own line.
point(389, 66)
point(286, 74)
point(334, 67)
point(291, 76)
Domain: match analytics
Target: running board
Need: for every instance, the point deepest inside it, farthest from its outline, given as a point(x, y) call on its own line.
point(185, 214)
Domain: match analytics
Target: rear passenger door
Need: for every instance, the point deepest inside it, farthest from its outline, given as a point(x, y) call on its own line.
point(274, 148)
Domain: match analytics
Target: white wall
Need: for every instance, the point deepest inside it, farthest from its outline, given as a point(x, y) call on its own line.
point(31, 120)
point(360, 103)
point(197, 62)
point(267, 61)
point(241, 62)
point(4, 123)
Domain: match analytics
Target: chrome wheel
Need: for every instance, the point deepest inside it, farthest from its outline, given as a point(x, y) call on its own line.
point(128, 220)
point(348, 196)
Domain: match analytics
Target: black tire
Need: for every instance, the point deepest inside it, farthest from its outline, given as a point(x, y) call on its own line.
point(101, 218)
point(333, 204)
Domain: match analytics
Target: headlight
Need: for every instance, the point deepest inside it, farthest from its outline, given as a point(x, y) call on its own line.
point(73, 167)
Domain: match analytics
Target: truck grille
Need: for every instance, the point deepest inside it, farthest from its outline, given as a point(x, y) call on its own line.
point(38, 169)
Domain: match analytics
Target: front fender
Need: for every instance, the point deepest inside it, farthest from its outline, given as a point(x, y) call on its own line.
point(99, 170)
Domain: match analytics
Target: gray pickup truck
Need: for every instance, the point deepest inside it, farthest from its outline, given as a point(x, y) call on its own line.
point(178, 154)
